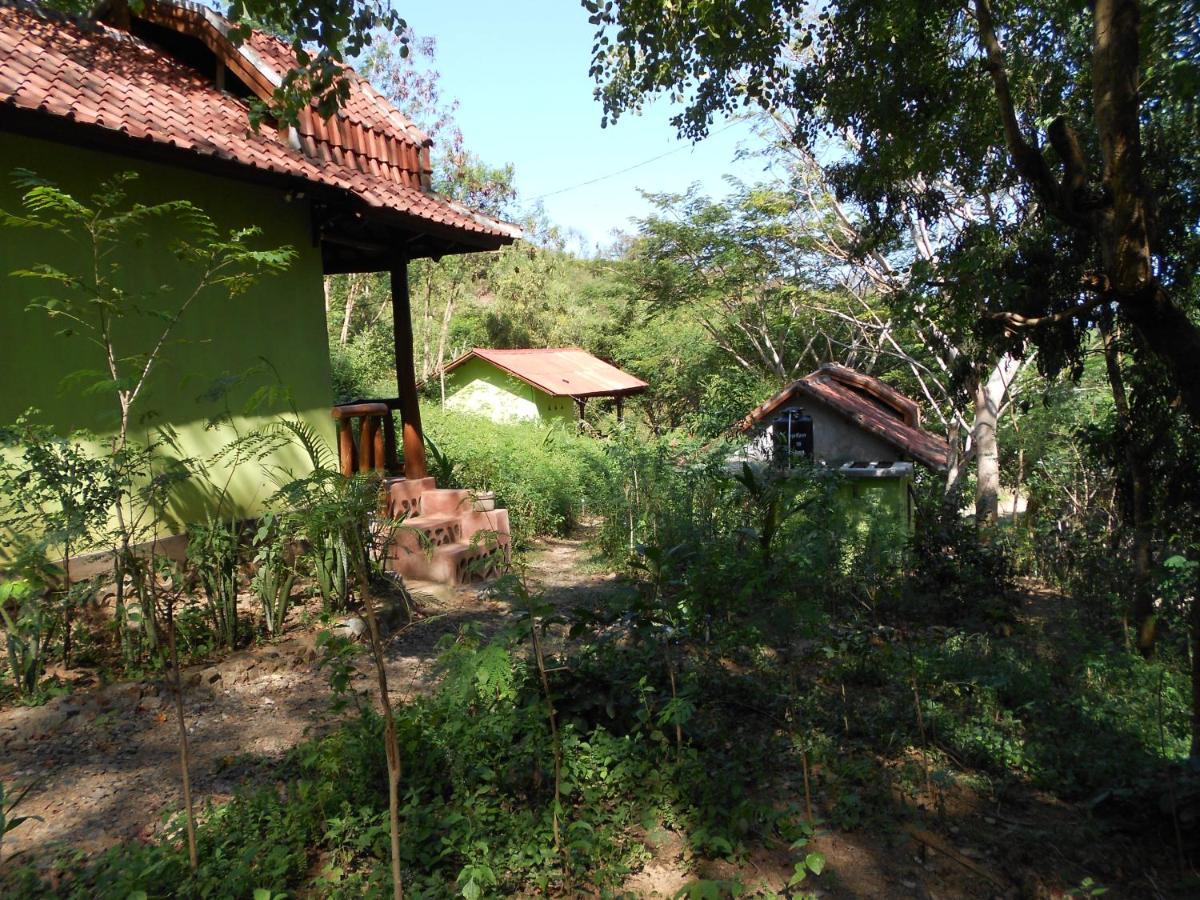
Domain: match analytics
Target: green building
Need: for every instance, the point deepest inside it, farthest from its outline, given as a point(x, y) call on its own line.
point(541, 385)
point(167, 96)
point(866, 431)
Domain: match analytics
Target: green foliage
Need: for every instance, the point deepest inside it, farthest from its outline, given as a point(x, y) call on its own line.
point(92, 300)
point(213, 552)
point(329, 513)
point(957, 574)
point(544, 475)
point(56, 490)
point(24, 590)
point(661, 492)
point(477, 801)
point(744, 269)
point(56, 496)
point(274, 574)
point(364, 367)
point(936, 102)
point(338, 516)
point(1075, 717)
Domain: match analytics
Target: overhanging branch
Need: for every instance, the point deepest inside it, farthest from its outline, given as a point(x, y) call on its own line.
point(1016, 320)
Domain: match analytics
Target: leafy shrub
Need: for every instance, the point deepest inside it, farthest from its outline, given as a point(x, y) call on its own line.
point(365, 367)
point(543, 474)
point(478, 796)
point(213, 553)
point(1075, 718)
point(957, 572)
point(661, 491)
point(274, 573)
point(24, 613)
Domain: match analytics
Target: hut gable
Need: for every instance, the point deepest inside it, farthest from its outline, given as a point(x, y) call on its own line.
point(873, 407)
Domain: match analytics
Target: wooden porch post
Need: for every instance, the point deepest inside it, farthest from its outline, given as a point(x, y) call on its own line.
point(413, 437)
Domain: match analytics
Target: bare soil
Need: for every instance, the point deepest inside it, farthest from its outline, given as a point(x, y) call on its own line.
point(104, 767)
point(103, 761)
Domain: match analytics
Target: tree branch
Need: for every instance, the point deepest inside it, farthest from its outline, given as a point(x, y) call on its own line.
point(1016, 320)
point(1028, 159)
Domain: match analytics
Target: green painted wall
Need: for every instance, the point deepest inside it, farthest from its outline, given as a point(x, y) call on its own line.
point(479, 387)
point(557, 409)
point(876, 520)
point(280, 321)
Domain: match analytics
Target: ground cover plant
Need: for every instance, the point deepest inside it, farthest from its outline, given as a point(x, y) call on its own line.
point(694, 667)
point(546, 476)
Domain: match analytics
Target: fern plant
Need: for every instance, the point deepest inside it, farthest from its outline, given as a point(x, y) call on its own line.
point(274, 574)
point(213, 554)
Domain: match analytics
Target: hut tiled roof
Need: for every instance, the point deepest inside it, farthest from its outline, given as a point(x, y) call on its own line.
point(99, 77)
point(865, 401)
point(560, 372)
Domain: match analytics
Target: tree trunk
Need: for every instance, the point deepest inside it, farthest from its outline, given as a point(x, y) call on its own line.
point(1138, 507)
point(1125, 226)
point(427, 368)
point(351, 297)
point(987, 457)
point(989, 400)
point(443, 336)
point(956, 459)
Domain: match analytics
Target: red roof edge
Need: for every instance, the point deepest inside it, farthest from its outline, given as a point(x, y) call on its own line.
point(858, 398)
point(486, 354)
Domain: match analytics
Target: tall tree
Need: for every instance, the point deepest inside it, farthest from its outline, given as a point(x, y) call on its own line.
point(988, 96)
point(744, 269)
point(903, 301)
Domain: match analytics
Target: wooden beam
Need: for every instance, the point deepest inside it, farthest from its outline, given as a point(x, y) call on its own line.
point(413, 436)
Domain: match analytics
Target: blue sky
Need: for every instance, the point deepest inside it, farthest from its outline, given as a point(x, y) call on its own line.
point(520, 72)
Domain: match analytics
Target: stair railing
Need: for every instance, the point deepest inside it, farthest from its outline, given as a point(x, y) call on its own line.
point(371, 446)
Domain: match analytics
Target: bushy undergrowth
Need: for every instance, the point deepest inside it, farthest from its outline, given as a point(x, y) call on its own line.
point(363, 367)
point(544, 474)
point(477, 797)
point(1070, 717)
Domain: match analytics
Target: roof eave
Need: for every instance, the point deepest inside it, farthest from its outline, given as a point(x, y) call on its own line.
point(619, 392)
point(868, 425)
point(40, 123)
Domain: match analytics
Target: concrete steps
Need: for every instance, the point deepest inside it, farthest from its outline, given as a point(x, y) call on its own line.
point(443, 537)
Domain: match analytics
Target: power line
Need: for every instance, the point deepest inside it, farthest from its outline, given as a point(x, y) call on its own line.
point(644, 162)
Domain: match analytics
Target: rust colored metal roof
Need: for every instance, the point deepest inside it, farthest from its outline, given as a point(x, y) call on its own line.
point(867, 402)
point(562, 372)
point(102, 78)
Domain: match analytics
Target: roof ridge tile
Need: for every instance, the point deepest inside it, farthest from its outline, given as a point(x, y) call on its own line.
point(51, 64)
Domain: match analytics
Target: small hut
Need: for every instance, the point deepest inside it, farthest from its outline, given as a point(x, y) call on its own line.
point(535, 385)
point(859, 426)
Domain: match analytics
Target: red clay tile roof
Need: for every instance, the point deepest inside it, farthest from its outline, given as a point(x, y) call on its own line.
point(867, 402)
point(108, 79)
point(562, 372)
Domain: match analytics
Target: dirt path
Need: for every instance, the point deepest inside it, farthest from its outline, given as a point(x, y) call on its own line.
point(104, 762)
